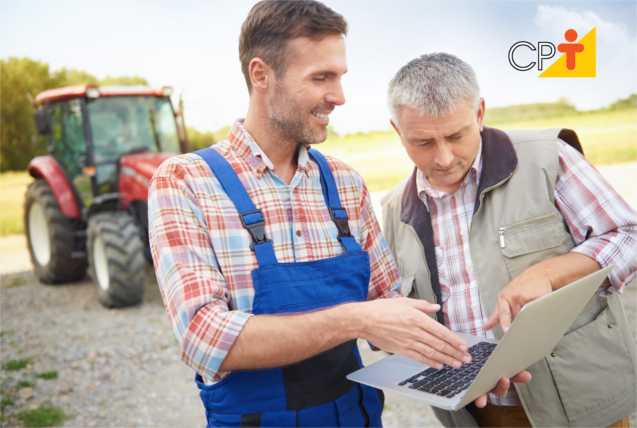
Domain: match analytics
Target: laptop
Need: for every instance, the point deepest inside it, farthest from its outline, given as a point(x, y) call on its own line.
point(532, 335)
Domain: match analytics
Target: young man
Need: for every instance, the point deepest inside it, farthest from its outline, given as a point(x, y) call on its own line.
point(491, 220)
point(260, 225)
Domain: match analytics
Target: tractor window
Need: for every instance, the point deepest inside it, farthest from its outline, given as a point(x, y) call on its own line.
point(166, 126)
point(130, 124)
point(67, 140)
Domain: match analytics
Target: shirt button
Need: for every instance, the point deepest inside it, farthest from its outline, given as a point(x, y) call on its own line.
point(258, 171)
point(468, 268)
point(473, 306)
point(462, 233)
point(298, 233)
point(456, 195)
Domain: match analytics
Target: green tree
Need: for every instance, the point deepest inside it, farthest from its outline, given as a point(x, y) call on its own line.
point(123, 81)
point(18, 137)
point(624, 103)
point(199, 140)
point(221, 133)
point(66, 77)
point(21, 78)
point(562, 107)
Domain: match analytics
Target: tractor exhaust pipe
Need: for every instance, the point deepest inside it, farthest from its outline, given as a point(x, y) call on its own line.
point(181, 125)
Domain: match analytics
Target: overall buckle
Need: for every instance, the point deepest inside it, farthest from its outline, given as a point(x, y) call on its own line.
point(342, 224)
point(256, 229)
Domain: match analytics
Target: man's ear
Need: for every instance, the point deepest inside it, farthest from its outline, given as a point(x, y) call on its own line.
point(260, 74)
point(395, 127)
point(481, 110)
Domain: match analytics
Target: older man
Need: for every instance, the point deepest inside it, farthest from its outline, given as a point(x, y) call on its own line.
point(490, 220)
point(268, 254)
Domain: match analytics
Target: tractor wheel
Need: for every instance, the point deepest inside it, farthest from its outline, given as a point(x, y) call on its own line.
point(116, 257)
point(51, 237)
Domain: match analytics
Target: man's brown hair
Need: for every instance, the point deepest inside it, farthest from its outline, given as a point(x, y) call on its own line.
point(271, 23)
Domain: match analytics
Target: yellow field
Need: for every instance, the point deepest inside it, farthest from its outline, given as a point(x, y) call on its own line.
point(607, 137)
point(13, 185)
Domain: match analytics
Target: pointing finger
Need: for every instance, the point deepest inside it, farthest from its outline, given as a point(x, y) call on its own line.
point(494, 319)
point(505, 314)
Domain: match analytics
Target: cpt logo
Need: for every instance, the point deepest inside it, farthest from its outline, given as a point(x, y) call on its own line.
point(578, 58)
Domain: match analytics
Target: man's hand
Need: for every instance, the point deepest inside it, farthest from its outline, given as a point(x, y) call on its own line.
point(537, 281)
point(398, 325)
point(522, 290)
point(502, 387)
point(401, 326)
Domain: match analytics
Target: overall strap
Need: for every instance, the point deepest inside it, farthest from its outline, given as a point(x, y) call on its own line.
point(251, 218)
point(333, 202)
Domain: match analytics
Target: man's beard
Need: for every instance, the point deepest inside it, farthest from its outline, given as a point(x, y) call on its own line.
point(290, 120)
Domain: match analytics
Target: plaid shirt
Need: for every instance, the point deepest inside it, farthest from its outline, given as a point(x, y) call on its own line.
point(202, 253)
point(602, 224)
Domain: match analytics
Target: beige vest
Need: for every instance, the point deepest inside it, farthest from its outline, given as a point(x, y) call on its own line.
point(590, 380)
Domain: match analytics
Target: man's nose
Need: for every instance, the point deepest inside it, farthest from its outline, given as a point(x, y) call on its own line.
point(336, 96)
point(444, 155)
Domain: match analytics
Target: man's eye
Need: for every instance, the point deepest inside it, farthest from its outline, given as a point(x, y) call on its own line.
point(319, 79)
point(456, 137)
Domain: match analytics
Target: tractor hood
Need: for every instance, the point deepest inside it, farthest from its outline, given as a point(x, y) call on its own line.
point(136, 170)
point(143, 165)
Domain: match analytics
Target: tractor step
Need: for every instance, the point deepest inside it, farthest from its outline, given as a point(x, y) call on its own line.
point(78, 254)
point(80, 233)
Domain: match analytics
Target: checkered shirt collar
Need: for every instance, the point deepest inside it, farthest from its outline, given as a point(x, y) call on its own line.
point(246, 147)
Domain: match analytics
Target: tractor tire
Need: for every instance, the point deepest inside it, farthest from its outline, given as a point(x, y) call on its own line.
point(51, 237)
point(116, 258)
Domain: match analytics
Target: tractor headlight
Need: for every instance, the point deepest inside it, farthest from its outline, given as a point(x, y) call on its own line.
point(92, 92)
point(166, 91)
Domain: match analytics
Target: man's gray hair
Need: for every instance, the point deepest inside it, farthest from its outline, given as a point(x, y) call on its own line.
point(433, 85)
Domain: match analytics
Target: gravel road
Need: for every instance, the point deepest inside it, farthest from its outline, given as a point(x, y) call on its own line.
point(121, 367)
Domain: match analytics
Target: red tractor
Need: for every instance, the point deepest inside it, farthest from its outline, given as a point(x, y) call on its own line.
point(88, 203)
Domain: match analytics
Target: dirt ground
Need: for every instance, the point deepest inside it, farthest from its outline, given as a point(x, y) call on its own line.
point(121, 367)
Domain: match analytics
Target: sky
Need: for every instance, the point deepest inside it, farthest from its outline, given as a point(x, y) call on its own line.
point(193, 46)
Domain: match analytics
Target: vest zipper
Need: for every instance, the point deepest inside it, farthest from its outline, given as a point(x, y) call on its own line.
point(482, 197)
point(502, 230)
point(520, 224)
point(474, 216)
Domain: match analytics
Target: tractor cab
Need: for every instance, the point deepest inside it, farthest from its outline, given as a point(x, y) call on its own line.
point(88, 203)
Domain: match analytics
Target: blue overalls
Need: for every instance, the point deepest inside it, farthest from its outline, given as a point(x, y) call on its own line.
point(313, 392)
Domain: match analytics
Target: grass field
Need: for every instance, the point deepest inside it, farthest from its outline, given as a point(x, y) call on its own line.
point(12, 188)
point(607, 137)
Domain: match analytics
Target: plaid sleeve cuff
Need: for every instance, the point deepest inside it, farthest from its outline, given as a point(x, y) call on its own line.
point(210, 336)
point(606, 252)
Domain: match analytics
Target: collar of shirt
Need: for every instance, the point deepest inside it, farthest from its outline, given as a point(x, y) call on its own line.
point(246, 147)
point(425, 189)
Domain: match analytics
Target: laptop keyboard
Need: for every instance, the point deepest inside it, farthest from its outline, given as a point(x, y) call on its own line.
point(449, 381)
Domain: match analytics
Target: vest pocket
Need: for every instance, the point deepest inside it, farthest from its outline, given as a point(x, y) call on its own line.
point(591, 365)
point(526, 242)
